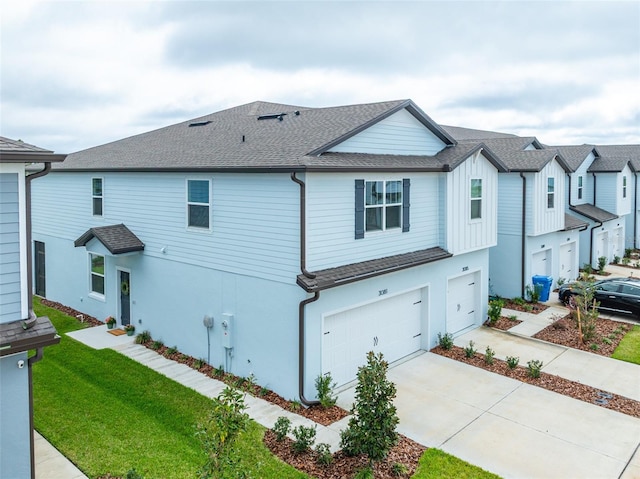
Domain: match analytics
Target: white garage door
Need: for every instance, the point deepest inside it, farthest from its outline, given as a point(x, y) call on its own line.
point(541, 263)
point(617, 246)
point(567, 256)
point(391, 326)
point(463, 307)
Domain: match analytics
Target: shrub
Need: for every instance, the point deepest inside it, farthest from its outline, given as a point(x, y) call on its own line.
point(495, 310)
point(627, 252)
point(171, 350)
point(512, 361)
point(469, 351)
point(399, 470)
point(587, 268)
point(295, 405)
point(626, 260)
point(366, 473)
point(324, 454)
point(263, 391)
point(324, 388)
point(534, 367)
point(513, 317)
point(518, 301)
point(157, 344)
point(198, 363)
point(304, 437)
point(594, 347)
point(445, 341)
point(133, 474)
point(606, 341)
point(372, 428)
point(218, 435)
point(281, 428)
point(561, 281)
point(143, 337)
point(488, 355)
point(533, 292)
point(602, 262)
point(586, 313)
point(616, 259)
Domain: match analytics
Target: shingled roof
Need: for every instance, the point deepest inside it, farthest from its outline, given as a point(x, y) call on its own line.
point(574, 155)
point(118, 239)
point(593, 212)
point(17, 151)
point(573, 223)
point(256, 136)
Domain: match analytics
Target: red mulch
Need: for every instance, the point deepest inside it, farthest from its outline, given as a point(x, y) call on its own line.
point(504, 323)
point(526, 307)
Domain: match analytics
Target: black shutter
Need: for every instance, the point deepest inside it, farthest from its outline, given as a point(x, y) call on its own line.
point(406, 183)
point(359, 209)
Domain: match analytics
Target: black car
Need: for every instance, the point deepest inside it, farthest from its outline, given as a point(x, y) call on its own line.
point(616, 295)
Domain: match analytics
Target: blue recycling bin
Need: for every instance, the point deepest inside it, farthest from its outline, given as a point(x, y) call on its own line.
point(545, 286)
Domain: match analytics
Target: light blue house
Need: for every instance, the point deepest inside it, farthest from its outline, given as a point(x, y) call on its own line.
point(20, 329)
point(602, 191)
point(309, 235)
point(535, 235)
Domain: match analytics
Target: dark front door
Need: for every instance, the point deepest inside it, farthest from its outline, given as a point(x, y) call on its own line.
point(40, 268)
point(125, 302)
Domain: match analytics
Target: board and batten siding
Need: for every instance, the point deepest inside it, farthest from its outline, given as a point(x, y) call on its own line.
point(587, 182)
point(546, 220)
point(399, 134)
point(254, 218)
point(331, 220)
point(463, 233)
point(13, 278)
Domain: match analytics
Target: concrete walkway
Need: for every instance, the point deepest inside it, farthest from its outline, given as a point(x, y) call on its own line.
point(507, 427)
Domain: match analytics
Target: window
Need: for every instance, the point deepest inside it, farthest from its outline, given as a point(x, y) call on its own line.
point(97, 273)
point(550, 192)
point(198, 203)
point(624, 186)
point(96, 192)
point(579, 187)
point(383, 205)
point(476, 198)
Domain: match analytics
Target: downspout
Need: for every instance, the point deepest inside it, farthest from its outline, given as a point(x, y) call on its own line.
point(301, 351)
point(523, 238)
point(304, 302)
point(30, 362)
point(31, 320)
point(594, 226)
point(635, 210)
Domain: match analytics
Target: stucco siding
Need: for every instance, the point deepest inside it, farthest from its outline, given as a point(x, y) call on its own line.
point(331, 220)
point(399, 134)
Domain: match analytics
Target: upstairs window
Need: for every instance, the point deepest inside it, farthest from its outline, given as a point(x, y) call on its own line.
point(624, 186)
point(476, 198)
point(550, 192)
point(579, 187)
point(97, 273)
point(383, 205)
point(198, 203)
point(96, 192)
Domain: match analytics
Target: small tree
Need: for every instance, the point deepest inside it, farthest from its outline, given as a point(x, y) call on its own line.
point(602, 262)
point(218, 434)
point(586, 313)
point(372, 429)
point(324, 388)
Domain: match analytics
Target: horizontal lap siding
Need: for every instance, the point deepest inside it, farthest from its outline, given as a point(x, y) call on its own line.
point(400, 134)
point(10, 291)
point(254, 218)
point(331, 220)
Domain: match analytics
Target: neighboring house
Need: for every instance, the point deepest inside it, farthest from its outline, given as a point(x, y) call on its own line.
point(600, 190)
point(20, 329)
point(535, 236)
point(309, 235)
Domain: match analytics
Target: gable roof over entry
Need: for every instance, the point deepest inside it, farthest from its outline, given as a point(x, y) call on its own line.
point(118, 239)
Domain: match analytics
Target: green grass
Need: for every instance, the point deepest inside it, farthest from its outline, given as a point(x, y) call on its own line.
point(629, 348)
point(109, 414)
point(436, 464)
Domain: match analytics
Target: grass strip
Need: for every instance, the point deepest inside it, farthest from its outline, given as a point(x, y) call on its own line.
point(436, 464)
point(629, 348)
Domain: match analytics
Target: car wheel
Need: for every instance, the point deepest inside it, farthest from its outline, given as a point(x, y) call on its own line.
point(570, 301)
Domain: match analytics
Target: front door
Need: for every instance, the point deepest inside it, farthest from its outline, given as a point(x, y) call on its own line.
point(125, 301)
point(40, 268)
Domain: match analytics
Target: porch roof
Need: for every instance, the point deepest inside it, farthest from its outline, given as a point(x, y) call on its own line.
point(118, 239)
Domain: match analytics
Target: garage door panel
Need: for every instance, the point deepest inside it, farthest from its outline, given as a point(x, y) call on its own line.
point(391, 326)
point(462, 302)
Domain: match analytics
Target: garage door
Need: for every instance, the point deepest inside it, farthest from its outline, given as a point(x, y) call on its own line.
point(567, 256)
point(541, 263)
point(391, 326)
point(463, 306)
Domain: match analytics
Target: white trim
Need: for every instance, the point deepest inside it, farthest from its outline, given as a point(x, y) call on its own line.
point(93, 197)
point(120, 269)
point(94, 294)
point(383, 206)
point(209, 205)
point(471, 199)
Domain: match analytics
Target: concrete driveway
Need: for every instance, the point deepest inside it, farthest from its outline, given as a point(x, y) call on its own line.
point(507, 427)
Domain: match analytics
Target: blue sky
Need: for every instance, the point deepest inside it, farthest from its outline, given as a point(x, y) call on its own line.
point(76, 74)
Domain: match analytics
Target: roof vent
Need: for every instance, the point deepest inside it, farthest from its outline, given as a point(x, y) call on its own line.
point(273, 116)
point(199, 123)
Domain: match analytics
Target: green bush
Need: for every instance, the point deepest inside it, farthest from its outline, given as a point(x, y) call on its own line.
point(143, 337)
point(488, 355)
point(372, 428)
point(445, 341)
point(470, 351)
point(587, 268)
point(133, 474)
point(512, 361)
point(324, 388)
point(602, 262)
point(304, 437)
point(157, 344)
point(323, 451)
point(616, 259)
point(534, 367)
point(399, 470)
point(533, 292)
point(281, 428)
point(366, 473)
point(495, 310)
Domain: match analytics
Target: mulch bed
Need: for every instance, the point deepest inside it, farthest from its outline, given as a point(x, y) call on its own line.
point(406, 452)
point(504, 323)
point(526, 307)
point(550, 382)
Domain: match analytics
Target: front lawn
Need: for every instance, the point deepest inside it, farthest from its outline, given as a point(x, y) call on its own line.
point(629, 348)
